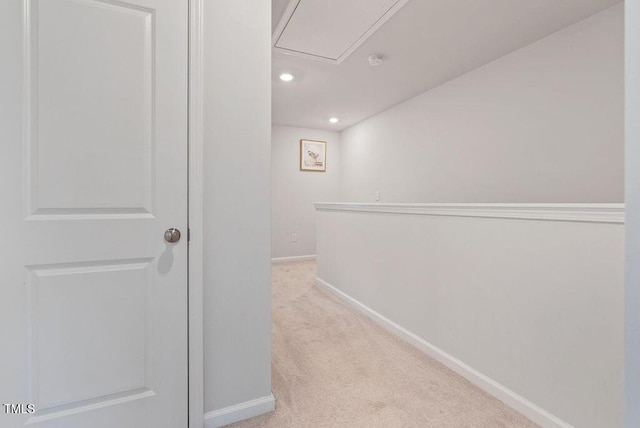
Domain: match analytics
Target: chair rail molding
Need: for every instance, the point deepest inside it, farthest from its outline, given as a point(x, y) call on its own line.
point(576, 212)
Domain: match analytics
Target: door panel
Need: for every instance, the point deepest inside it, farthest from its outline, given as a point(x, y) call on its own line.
point(94, 170)
point(92, 92)
point(68, 352)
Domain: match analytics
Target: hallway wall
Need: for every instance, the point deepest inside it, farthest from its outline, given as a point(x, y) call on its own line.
point(295, 191)
point(542, 124)
point(237, 267)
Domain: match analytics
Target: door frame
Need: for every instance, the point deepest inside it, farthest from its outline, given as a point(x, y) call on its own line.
point(195, 217)
point(632, 213)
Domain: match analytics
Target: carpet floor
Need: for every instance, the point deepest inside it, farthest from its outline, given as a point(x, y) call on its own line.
point(333, 367)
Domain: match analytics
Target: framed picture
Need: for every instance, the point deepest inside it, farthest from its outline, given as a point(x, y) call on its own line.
point(313, 155)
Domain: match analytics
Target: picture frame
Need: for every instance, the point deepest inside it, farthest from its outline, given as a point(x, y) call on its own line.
point(313, 155)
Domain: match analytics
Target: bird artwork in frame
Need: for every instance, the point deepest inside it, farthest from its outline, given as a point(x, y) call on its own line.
point(313, 155)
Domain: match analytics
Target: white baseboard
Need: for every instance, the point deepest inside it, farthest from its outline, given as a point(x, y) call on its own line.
point(239, 412)
point(292, 259)
point(517, 402)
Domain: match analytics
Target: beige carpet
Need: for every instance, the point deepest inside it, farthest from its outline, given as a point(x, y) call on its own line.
point(333, 367)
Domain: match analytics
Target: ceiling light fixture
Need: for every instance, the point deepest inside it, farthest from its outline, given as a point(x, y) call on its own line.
point(333, 120)
point(375, 60)
point(286, 77)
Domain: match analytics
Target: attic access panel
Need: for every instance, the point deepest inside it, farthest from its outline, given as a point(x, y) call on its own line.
point(330, 30)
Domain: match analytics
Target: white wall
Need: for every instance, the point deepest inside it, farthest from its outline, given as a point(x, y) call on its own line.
point(632, 159)
point(237, 129)
point(536, 305)
point(542, 124)
point(295, 191)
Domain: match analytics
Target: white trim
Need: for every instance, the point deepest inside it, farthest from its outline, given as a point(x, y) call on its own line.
point(284, 20)
point(88, 405)
point(592, 213)
point(291, 8)
point(519, 403)
point(196, 215)
point(293, 258)
point(631, 412)
point(240, 412)
point(305, 55)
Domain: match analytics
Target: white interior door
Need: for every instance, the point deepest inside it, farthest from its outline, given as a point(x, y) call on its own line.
point(93, 170)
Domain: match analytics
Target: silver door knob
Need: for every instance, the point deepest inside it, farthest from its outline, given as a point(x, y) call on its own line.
point(172, 235)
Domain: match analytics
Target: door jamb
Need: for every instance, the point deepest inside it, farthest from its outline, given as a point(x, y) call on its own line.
point(195, 217)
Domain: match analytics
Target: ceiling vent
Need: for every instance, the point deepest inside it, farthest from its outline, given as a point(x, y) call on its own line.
point(330, 30)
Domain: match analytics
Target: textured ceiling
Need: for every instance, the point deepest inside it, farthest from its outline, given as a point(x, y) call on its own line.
point(427, 43)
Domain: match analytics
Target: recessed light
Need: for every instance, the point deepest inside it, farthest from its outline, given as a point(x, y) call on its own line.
point(333, 120)
point(286, 77)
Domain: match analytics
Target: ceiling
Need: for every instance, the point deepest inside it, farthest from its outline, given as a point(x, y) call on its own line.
point(426, 43)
